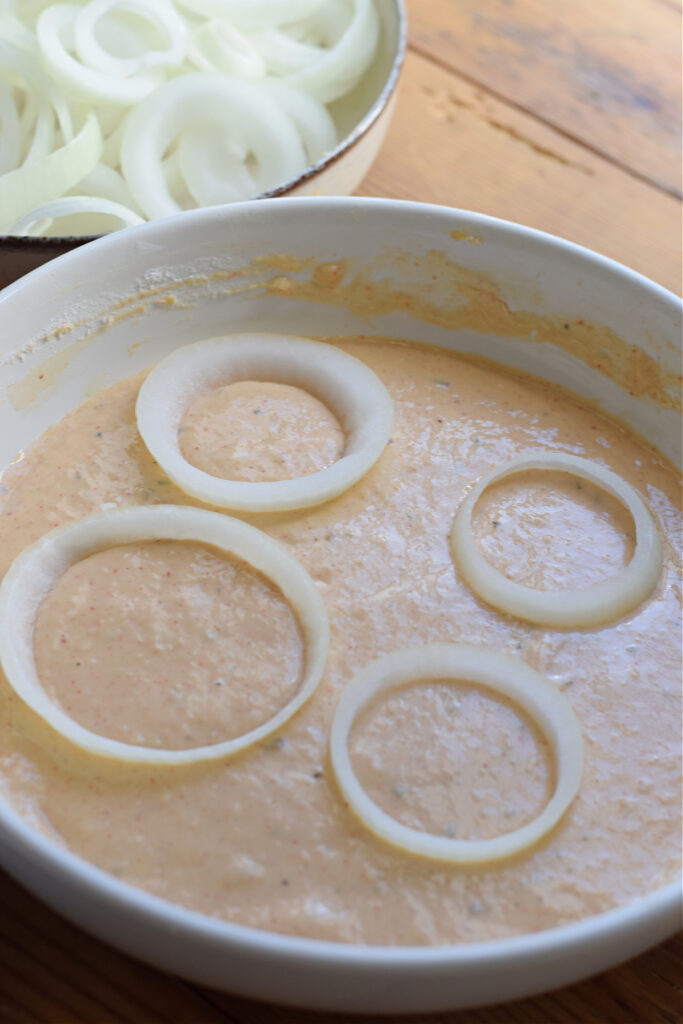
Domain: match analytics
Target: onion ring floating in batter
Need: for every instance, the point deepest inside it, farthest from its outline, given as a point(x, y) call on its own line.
point(592, 606)
point(346, 385)
point(36, 569)
point(535, 694)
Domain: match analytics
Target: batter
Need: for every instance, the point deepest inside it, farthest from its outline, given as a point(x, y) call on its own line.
point(174, 645)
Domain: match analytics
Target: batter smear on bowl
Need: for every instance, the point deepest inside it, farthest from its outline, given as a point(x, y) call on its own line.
point(264, 837)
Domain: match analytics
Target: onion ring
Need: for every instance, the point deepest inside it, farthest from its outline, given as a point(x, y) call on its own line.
point(254, 12)
point(69, 205)
point(542, 701)
point(87, 84)
point(345, 384)
point(10, 131)
point(340, 67)
point(34, 572)
point(196, 100)
point(592, 606)
point(158, 12)
point(219, 46)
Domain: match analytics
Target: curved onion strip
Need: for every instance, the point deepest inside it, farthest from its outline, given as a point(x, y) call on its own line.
point(592, 606)
point(88, 85)
point(43, 135)
point(189, 101)
point(159, 12)
point(26, 187)
point(330, 77)
point(213, 172)
point(106, 183)
point(219, 46)
point(282, 53)
point(10, 131)
point(310, 117)
point(69, 205)
point(27, 66)
point(36, 570)
point(535, 694)
point(348, 387)
point(254, 12)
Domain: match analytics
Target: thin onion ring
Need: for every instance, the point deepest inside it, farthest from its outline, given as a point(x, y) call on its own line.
point(36, 569)
point(345, 384)
point(542, 701)
point(592, 606)
point(69, 205)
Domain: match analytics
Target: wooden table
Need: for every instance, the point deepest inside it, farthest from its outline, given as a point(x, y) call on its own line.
point(562, 116)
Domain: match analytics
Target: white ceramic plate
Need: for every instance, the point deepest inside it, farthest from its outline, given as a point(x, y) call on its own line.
point(103, 312)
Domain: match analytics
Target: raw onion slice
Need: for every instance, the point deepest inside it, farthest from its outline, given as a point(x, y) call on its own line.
point(213, 169)
point(88, 85)
point(38, 568)
point(236, 108)
point(160, 13)
point(69, 205)
point(592, 606)
point(348, 387)
point(338, 68)
point(10, 131)
point(254, 12)
point(311, 118)
point(42, 134)
point(535, 694)
point(46, 178)
point(218, 46)
point(27, 66)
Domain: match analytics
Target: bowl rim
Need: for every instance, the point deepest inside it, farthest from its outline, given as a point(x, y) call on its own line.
point(661, 907)
point(30, 243)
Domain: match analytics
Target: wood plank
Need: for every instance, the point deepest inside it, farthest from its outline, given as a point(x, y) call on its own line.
point(52, 973)
point(607, 74)
point(476, 152)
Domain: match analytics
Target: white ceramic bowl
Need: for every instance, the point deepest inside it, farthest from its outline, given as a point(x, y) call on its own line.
point(361, 117)
point(67, 329)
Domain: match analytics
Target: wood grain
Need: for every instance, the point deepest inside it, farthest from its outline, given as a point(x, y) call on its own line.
point(475, 152)
point(607, 73)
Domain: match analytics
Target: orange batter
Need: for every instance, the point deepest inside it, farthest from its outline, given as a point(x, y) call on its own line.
point(212, 649)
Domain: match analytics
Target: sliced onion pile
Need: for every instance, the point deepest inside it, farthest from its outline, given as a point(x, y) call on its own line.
point(535, 694)
point(189, 102)
point(592, 606)
point(346, 385)
point(39, 567)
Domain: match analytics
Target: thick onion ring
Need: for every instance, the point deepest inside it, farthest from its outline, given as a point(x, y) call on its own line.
point(542, 701)
point(193, 101)
point(33, 573)
point(345, 384)
point(592, 606)
point(158, 12)
point(89, 85)
point(339, 68)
